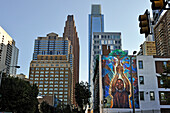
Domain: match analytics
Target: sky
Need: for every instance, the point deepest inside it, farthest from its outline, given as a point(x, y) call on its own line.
point(25, 20)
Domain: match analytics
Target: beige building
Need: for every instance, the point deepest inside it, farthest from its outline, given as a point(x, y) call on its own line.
point(149, 48)
point(162, 35)
point(51, 67)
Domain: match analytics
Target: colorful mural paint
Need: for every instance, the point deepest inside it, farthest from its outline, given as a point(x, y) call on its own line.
point(116, 78)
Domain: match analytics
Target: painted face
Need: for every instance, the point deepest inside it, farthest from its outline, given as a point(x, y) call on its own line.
point(119, 84)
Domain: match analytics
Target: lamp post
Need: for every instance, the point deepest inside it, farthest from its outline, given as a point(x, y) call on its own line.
point(4, 69)
point(133, 103)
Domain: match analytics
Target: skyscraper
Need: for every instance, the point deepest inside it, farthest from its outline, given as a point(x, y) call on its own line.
point(71, 33)
point(55, 64)
point(162, 35)
point(96, 24)
point(8, 53)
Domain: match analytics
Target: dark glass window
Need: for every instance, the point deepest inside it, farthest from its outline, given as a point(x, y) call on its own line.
point(141, 79)
point(140, 64)
point(141, 95)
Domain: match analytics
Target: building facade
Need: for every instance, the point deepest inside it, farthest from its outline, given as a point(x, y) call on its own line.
point(147, 48)
point(152, 96)
point(162, 35)
point(71, 33)
point(51, 68)
point(8, 53)
point(55, 64)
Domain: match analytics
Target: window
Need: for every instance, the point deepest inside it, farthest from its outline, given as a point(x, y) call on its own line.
point(165, 64)
point(51, 75)
point(41, 75)
point(141, 79)
point(56, 75)
point(40, 85)
point(141, 95)
point(60, 92)
point(56, 82)
point(66, 78)
point(60, 89)
point(140, 64)
point(61, 68)
point(55, 85)
point(152, 95)
point(61, 72)
point(42, 68)
point(60, 96)
point(61, 75)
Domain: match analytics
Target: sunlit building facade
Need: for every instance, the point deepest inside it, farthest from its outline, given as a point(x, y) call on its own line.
point(8, 53)
point(55, 64)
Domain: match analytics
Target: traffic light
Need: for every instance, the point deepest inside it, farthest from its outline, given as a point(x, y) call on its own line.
point(158, 4)
point(144, 23)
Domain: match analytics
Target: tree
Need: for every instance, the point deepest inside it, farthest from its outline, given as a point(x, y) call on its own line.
point(18, 96)
point(82, 94)
point(45, 107)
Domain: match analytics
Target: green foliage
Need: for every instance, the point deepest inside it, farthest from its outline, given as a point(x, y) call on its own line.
point(118, 52)
point(82, 94)
point(18, 96)
point(45, 107)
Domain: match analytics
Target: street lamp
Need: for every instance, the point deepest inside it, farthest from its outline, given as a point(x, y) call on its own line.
point(133, 103)
point(4, 69)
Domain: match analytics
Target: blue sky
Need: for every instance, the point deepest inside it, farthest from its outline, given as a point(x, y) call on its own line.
point(25, 20)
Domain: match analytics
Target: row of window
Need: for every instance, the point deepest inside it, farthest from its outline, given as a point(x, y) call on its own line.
point(49, 68)
point(107, 36)
point(50, 82)
point(61, 65)
point(53, 93)
point(51, 89)
point(107, 42)
point(53, 86)
point(61, 72)
point(152, 95)
point(48, 76)
point(49, 79)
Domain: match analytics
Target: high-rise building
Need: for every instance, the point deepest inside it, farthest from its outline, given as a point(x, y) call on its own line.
point(96, 24)
point(111, 39)
point(51, 69)
point(162, 35)
point(55, 64)
point(8, 53)
point(71, 33)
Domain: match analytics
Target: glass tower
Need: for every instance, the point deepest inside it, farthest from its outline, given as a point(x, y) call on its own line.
point(96, 24)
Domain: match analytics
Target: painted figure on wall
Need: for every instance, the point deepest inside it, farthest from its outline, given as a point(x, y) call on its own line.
point(120, 88)
point(116, 78)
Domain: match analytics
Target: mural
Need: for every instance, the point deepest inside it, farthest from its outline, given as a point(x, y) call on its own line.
point(116, 78)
